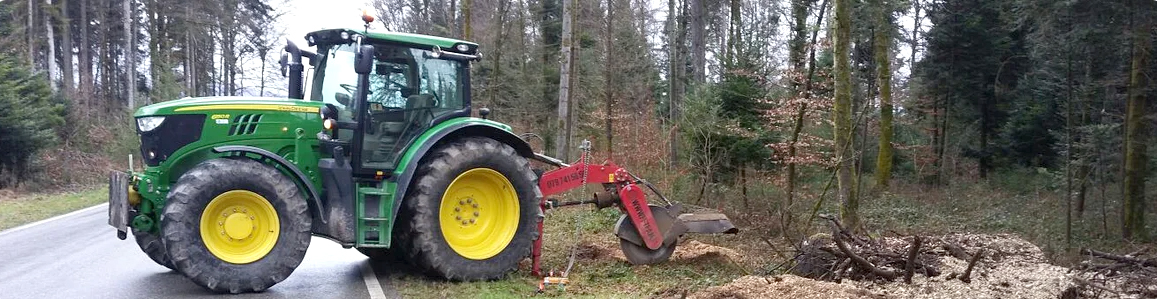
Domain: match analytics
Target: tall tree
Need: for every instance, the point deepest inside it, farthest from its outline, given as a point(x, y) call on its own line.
point(1133, 224)
point(677, 67)
point(698, 41)
point(566, 81)
point(84, 54)
point(66, 48)
point(883, 42)
point(51, 38)
point(130, 53)
point(804, 93)
point(608, 76)
point(842, 116)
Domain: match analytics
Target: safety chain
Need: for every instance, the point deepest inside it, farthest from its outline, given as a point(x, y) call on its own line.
point(585, 146)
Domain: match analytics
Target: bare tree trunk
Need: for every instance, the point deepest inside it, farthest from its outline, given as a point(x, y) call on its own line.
point(84, 55)
point(608, 73)
point(1133, 218)
point(130, 54)
point(565, 125)
point(884, 76)
point(842, 114)
point(29, 32)
point(51, 37)
point(915, 42)
point(677, 19)
point(698, 42)
point(1069, 128)
point(467, 7)
point(66, 49)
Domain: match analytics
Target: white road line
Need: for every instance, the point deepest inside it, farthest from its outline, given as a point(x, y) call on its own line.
point(73, 213)
point(372, 284)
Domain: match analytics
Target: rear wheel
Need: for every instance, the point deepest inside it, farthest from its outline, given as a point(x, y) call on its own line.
point(235, 225)
point(471, 211)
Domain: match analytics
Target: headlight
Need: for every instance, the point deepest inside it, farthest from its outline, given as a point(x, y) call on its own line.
point(149, 123)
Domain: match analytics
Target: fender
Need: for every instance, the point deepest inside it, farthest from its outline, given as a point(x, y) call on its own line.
point(298, 176)
point(466, 128)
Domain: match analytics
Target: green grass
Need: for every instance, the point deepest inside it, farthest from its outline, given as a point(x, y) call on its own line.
point(32, 207)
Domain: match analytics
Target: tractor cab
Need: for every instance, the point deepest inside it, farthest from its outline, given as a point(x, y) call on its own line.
point(385, 89)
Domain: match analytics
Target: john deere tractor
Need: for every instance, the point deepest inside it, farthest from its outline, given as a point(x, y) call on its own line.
point(382, 154)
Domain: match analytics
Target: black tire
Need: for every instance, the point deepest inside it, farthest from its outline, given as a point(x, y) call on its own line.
point(419, 232)
point(180, 225)
point(151, 245)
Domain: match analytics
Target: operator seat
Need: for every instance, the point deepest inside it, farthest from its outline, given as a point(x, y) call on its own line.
point(391, 133)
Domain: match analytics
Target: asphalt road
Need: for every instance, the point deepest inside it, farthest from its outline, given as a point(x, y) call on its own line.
point(79, 256)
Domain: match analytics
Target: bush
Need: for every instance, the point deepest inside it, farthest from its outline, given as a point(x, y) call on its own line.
point(29, 115)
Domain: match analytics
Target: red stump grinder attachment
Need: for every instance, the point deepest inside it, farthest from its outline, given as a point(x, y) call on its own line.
point(647, 232)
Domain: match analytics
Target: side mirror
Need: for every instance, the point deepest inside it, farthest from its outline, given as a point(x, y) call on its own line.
point(329, 111)
point(364, 62)
point(284, 62)
point(342, 98)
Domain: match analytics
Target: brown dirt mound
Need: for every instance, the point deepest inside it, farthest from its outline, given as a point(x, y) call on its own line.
point(783, 286)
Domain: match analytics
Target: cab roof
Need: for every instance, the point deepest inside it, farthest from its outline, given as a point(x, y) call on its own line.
point(412, 39)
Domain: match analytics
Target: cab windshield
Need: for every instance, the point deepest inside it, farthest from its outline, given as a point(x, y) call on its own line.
point(408, 89)
point(399, 73)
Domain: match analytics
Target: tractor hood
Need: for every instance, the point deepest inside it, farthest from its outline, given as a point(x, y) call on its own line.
point(205, 104)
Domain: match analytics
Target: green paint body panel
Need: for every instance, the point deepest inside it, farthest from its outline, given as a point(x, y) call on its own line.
point(292, 135)
point(288, 128)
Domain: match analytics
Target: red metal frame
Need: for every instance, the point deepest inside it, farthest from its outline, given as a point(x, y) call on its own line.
point(633, 201)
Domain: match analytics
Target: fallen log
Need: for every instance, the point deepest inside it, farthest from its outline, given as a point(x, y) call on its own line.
point(1152, 262)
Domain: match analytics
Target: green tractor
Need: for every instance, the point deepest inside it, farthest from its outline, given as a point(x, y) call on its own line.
point(383, 155)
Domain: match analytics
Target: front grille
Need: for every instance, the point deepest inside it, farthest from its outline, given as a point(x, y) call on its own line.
point(244, 124)
point(175, 132)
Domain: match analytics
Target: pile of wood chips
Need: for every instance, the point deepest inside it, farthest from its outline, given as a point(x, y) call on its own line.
point(1002, 266)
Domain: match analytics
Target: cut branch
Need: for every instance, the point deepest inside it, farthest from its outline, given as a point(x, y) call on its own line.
point(967, 276)
point(911, 265)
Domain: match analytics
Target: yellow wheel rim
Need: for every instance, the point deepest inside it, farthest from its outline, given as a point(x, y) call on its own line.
point(479, 213)
point(239, 226)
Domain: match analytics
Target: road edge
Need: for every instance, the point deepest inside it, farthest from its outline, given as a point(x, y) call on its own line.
point(50, 219)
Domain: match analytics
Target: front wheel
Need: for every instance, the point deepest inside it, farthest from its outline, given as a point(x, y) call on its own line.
point(151, 245)
point(235, 225)
point(471, 211)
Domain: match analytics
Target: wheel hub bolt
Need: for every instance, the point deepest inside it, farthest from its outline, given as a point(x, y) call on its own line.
point(463, 222)
point(475, 213)
point(475, 206)
point(471, 220)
